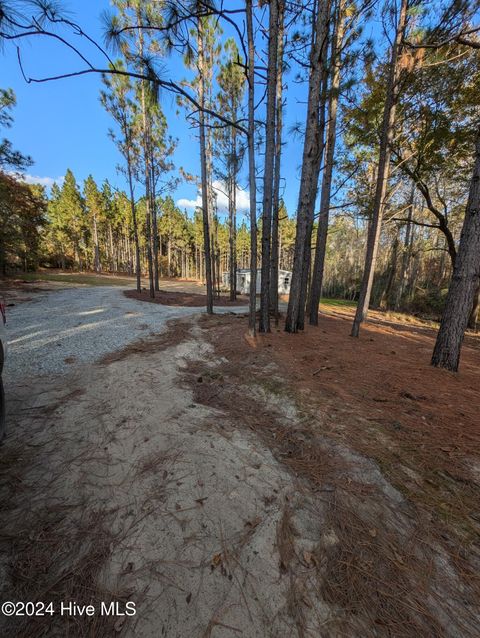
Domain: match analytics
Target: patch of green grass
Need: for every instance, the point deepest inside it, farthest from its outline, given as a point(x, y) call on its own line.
point(338, 302)
point(77, 278)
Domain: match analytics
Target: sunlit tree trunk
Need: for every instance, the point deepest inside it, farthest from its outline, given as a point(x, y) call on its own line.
point(96, 248)
point(375, 225)
point(156, 275)
point(148, 201)
point(146, 155)
point(111, 248)
point(135, 225)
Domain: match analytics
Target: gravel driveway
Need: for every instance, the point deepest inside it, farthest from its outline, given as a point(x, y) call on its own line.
point(59, 329)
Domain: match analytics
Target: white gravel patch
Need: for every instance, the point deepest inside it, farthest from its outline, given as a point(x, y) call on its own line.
point(59, 329)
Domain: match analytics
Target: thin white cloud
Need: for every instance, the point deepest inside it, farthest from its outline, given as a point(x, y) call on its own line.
point(190, 203)
point(243, 198)
point(44, 181)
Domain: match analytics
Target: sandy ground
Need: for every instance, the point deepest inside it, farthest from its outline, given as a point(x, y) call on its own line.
point(205, 478)
point(51, 331)
point(118, 486)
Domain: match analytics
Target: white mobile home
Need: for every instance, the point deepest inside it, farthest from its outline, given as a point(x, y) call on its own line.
point(243, 281)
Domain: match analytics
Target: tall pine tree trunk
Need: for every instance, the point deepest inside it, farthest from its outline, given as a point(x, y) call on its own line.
point(203, 170)
point(306, 275)
point(234, 258)
point(235, 231)
point(156, 275)
point(112, 250)
point(277, 174)
point(148, 222)
point(312, 154)
point(128, 245)
point(96, 258)
point(138, 267)
point(322, 230)
point(465, 280)
point(214, 260)
point(146, 155)
point(231, 258)
point(375, 225)
point(252, 182)
point(264, 324)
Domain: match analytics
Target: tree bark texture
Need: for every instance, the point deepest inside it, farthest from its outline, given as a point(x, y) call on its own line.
point(312, 154)
point(252, 182)
point(322, 230)
point(277, 167)
point(264, 323)
point(465, 280)
point(204, 176)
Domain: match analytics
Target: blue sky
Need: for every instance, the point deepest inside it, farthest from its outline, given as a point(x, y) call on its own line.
point(62, 124)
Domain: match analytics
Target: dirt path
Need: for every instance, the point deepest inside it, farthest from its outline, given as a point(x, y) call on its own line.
point(54, 331)
point(169, 474)
point(118, 486)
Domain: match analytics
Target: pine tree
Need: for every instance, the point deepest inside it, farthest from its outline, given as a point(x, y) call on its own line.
point(268, 172)
point(10, 158)
point(383, 170)
point(70, 209)
point(465, 280)
point(118, 102)
point(277, 165)
point(231, 80)
point(94, 209)
point(252, 182)
point(312, 156)
point(322, 229)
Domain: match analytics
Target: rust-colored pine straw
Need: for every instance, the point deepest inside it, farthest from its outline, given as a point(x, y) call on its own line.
point(285, 534)
point(59, 549)
point(176, 332)
point(371, 573)
point(189, 299)
point(66, 565)
point(378, 397)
